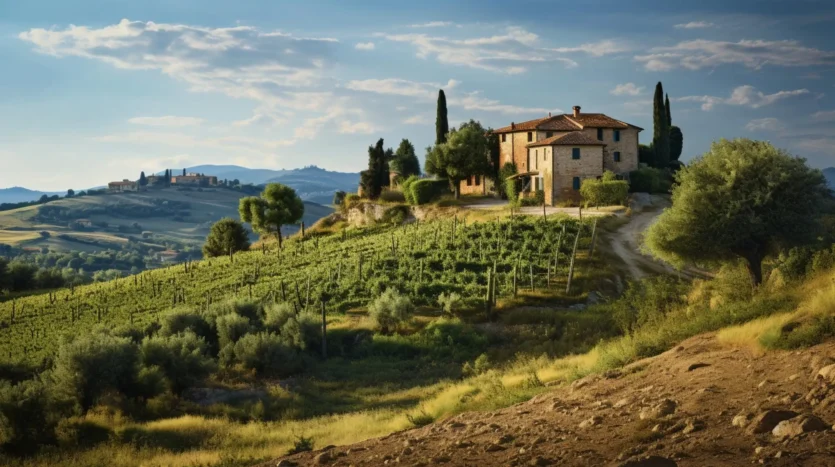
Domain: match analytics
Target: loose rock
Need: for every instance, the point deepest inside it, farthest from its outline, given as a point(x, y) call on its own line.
point(696, 366)
point(663, 408)
point(799, 425)
point(766, 421)
point(650, 461)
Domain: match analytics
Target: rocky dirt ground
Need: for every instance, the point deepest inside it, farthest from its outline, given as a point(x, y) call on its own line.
point(701, 404)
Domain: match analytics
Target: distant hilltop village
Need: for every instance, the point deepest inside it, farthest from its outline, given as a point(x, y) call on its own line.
point(189, 179)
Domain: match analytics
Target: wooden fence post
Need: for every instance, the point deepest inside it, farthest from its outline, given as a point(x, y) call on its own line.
point(573, 256)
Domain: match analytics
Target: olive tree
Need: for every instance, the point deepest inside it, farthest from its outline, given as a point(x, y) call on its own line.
point(465, 153)
point(227, 236)
point(278, 205)
point(743, 199)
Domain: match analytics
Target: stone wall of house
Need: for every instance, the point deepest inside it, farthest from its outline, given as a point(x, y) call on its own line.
point(628, 147)
point(514, 149)
point(590, 165)
point(474, 186)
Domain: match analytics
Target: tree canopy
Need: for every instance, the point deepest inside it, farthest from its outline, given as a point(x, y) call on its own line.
point(226, 237)
point(441, 121)
point(465, 153)
point(676, 143)
point(743, 199)
point(278, 205)
point(376, 176)
point(405, 162)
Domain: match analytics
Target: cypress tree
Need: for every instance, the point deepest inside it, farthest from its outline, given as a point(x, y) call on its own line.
point(441, 122)
point(667, 109)
point(376, 176)
point(661, 134)
point(142, 179)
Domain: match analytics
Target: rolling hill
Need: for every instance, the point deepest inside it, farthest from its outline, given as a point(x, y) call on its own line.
point(17, 194)
point(311, 183)
point(168, 217)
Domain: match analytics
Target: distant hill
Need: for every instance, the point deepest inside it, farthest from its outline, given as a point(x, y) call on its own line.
point(830, 177)
point(311, 183)
point(17, 194)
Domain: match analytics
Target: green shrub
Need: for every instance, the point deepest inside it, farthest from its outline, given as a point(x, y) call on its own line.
point(392, 196)
point(90, 366)
point(301, 444)
point(605, 192)
point(338, 198)
point(276, 315)
point(508, 189)
point(406, 188)
point(26, 419)
point(265, 354)
point(795, 263)
point(479, 366)
point(390, 310)
point(823, 260)
point(538, 199)
point(647, 302)
point(426, 190)
point(183, 320)
point(451, 302)
point(230, 328)
point(182, 358)
point(794, 335)
point(303, 332)
point(77, 432)
point(396, 215)
point(249, 309)
point(648, 180)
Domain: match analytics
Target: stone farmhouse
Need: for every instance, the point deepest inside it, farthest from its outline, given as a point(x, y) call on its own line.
point(194, 179)
point(123, 186)
point(556, 153)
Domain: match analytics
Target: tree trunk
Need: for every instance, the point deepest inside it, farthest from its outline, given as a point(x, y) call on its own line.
point(278, 236)
point(457, 189)
point(754, 263)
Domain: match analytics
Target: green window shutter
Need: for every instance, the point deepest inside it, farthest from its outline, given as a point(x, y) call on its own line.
point(576, 183)
point(575, 153)
point(617, 135)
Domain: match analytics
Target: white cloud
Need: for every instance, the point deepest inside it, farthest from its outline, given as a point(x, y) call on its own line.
point(509, 52)
point(754, 54)
point(428, 92)
point(694, 25)
point(168, 120)
point(746, 96)
point(364, 46)
point(764, 124)
point(433, 24)
point(628, 89)
point(597, 49)
point(362, 128)
point(418, 120)
point(824, 115)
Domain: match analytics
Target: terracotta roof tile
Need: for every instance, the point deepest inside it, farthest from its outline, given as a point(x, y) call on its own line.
point(575, 138)
point(567, 122)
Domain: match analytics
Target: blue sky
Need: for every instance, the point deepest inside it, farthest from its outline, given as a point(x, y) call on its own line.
point(97, 90)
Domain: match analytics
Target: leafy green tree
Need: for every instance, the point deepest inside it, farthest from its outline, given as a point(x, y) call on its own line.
point(226, 237)
point(183, 358)
point(338, 198)
point(744, 200)
point(405, 162)
point(661, 133)
point(143, 181)
point(4, 274)
point(465, 153)
point(377, 175)
point(70, 193)
point(21, 276)
point(278, 205)
point(441, 121)
point(676, 143)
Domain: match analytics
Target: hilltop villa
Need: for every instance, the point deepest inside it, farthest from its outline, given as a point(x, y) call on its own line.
point(194, 179)
point(120, 187)
point(556, 153)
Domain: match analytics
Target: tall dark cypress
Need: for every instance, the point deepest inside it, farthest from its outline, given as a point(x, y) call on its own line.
point(661, 134)
point(667, 109)
point(441, 122)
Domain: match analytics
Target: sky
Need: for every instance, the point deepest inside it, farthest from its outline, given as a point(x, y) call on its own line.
point(99, 90)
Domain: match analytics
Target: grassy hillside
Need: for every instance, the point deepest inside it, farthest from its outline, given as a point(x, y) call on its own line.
point(158, 216)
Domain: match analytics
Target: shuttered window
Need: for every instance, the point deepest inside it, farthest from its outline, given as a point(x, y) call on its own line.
point(617, 135)
point(575, 153)
point(600, 134)
point(576, 183)
point(617, 156)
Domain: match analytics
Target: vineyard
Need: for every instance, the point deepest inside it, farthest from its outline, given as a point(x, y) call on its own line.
point(480, 261)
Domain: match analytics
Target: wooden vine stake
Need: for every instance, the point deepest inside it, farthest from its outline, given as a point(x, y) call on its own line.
point(593, 238)
point(573, 256)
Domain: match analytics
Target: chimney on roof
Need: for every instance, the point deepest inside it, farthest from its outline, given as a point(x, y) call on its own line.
point(512, 126)
point(576, 110)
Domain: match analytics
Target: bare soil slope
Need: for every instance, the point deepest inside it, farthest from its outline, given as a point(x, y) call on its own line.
point(701, 404)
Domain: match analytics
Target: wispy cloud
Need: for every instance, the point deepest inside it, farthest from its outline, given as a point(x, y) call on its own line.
point(746, 96)
point(824, 115)
point(364, 46)
point(418, 120)
point(510, 52)
point(694, 25)
point(754, 54)
point(764, 124)
point(168, 120)
point(433, 24)
point(597, 49)
point(627, 89)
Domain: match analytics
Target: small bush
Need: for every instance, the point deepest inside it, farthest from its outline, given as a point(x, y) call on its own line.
point(392, 196)
point(301, 444)
point(390, 311)
point(230, 328)
point(479, 366)
point(508, 189)
point(182, 358)
point(538, 199)
point(77, 432)
point(648, 180)
point(421, 418)
point(604, 192)
point(395, 215)
point(426, 190)
point(26, 420)
point(451, 302)
point(276, 316)
point(265, 353)
point(338, 198)
point(406, 188)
